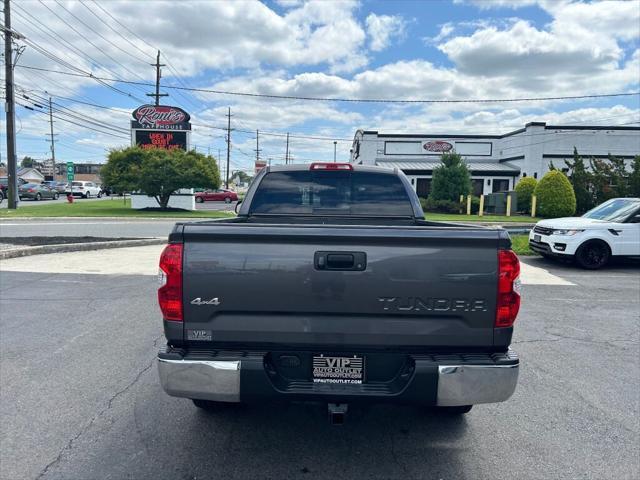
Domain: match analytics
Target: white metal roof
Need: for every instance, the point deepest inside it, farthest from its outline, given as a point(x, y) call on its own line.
point(430, 165)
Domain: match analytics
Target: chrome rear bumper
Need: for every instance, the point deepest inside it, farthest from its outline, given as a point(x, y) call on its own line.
point(201, 379)
point(219, 380)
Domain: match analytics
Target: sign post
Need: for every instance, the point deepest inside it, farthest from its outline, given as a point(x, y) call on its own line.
point(70, 176)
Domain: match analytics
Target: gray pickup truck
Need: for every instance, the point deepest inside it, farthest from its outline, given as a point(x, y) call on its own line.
point(331, 286)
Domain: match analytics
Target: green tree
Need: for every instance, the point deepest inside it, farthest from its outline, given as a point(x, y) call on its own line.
point(619, 177)
point(27, 162)
point(451, 179)
point(634, 177)
point(580, 181)
point(555, 195)
point(601, 174)
point(158, 172)
point(524, 190)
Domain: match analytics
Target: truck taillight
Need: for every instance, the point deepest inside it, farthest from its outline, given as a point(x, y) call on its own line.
point(508, 288)
point(170, 278)
point(331, 166)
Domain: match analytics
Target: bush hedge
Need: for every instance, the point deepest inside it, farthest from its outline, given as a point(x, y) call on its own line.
point(555, 196)
point(525, 189)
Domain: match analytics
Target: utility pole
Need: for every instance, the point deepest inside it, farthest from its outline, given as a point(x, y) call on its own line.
point(226, 183)
point(335, 144)
point(157, 95)
point(286, 155)
point(257, 146)
point(10, 109)
point(53, 150)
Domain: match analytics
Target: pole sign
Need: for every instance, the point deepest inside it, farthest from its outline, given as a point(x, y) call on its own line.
point(70, 172)
point(160, 126)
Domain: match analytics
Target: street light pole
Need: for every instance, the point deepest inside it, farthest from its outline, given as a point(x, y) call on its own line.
point(335, 144)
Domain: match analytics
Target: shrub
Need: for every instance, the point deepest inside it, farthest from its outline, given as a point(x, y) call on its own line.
point(555, 195)
point(525, 189)
point(451, 179)
point(440, 206)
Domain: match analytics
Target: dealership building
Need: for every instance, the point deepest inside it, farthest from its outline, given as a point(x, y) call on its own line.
point(496, 162)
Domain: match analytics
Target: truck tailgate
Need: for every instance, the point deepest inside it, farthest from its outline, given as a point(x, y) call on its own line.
point(413, 286)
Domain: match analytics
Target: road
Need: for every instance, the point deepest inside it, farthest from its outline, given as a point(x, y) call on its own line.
point(96, 227)
point(80, 399)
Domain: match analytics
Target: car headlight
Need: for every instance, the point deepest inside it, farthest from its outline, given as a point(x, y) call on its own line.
point(566, 232)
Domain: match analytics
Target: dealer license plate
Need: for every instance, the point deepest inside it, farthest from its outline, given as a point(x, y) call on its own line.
point(536, 238)
point(329, 369)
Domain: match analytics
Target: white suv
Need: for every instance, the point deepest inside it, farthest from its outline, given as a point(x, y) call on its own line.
point(84, 189)
point(610, 229)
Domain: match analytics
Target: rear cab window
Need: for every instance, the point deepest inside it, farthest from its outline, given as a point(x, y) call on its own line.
point(306, 192)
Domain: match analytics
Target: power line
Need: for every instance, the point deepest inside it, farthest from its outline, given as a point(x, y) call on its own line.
point(175, 72)
point(352, 100)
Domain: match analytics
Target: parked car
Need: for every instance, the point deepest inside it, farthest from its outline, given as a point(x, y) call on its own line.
point(611, 229)
point(220, 195)
point(331, 286)
point(84, 189)
point(57, 186)
point(37, 191)
point(4, 187)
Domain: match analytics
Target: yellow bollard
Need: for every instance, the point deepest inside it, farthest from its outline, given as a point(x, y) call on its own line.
point(508, 205)
point(461, 198)
point(533, 205)
point(468, 204)
point(480, 211)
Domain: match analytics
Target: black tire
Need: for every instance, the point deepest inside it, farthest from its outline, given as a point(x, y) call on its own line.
point(38, 197)
point(227, 199)
point(199, 200)
point(593, 255)
point(207, 405)
point(460, 410)
point(87, 195)
point(99, 195)
point(56, 196)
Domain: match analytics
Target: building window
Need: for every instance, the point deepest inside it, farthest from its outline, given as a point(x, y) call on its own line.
point(478, 187)
point(424, 187)
point(500, 185)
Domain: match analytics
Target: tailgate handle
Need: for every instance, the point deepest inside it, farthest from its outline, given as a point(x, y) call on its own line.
point(354, 261)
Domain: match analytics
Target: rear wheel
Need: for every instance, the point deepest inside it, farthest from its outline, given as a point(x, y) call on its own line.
point(227, 200)
point(55, 196)
point(459, 410)
point(199, 199)
point(87, 195)
point(100, 195)
point(211, 406)
point(38, 197)
point(593, 255)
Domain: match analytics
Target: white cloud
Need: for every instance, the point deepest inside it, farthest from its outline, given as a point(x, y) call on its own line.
point(445, 30)
point(383, 28)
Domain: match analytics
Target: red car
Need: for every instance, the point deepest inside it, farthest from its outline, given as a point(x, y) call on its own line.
point(220, 195)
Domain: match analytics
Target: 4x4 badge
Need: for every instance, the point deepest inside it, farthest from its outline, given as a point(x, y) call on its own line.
point(199, 301)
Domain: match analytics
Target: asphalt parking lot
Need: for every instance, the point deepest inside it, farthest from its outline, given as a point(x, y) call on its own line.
point(80, 399)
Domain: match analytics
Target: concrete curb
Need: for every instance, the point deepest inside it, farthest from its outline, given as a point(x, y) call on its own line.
point(77, 247)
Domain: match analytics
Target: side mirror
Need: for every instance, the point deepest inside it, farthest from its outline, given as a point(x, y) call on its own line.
point(635, 219)
point(237, 207)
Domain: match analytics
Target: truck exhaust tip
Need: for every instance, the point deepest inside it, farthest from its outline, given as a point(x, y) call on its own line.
point(337, 413)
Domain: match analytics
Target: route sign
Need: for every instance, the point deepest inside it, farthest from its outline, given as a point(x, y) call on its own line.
point(70, 171)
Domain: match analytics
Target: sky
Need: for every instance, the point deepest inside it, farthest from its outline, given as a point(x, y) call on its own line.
point(402, 50)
